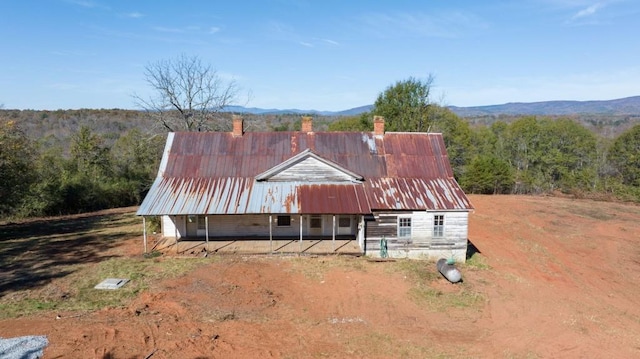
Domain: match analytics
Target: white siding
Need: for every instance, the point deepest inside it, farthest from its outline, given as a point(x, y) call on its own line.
point(171, 223)
point(311, 170)
point(250, 226)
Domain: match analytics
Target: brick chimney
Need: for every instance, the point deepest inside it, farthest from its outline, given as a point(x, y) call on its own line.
point(378, 125)
point(307, 124)
point(237, 126)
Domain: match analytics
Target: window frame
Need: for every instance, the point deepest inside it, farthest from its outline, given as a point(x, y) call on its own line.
point(404, 226)
point(281, 222)
point(344, 218)
point(438, 225)
point(201, 224)
point(315, 221)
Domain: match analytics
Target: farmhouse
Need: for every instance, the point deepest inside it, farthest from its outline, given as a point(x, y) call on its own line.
point(392, 194)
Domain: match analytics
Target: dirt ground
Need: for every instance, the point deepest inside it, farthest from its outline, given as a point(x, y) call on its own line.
point(553, 278)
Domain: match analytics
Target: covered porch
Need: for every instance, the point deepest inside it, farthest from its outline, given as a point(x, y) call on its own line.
point(347, 245)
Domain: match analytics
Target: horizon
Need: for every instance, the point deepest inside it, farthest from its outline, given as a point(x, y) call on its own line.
point(328, 56)
point(268, 110)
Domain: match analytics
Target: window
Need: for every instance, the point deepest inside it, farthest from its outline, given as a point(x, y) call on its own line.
point(201, 223)
point(404, 227)
point(344, 222)
point(284, 221)
point(438, 225)
point(315, 221)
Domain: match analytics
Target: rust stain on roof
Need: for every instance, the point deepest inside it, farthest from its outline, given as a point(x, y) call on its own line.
point(214, 173)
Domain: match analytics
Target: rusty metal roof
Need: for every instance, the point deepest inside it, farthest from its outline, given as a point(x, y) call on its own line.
point(215, 173)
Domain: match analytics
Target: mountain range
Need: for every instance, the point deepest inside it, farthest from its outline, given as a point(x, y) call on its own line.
point(622, 106)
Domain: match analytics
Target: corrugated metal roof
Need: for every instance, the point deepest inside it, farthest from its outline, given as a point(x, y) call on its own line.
point(214, 173)
point(238, 195)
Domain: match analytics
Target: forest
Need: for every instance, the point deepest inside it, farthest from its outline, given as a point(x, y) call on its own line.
point(85, 160)
point(74, 161)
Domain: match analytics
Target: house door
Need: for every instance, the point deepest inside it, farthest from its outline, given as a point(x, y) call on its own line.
point(315, 225)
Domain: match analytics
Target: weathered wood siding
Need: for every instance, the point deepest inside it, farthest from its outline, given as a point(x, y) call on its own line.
point(311, 169)
point(421, 243)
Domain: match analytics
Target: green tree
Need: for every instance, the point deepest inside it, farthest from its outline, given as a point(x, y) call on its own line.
point(405, 105)
point(362, 122)
point(89, 155)
point(16, 166)
point(551, 154)
point(457, 137)
point(488, 174)
point(625, 156)
point(569, 151)
point(136, 158)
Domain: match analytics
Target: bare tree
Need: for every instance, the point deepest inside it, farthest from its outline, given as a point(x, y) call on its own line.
point(188, 94)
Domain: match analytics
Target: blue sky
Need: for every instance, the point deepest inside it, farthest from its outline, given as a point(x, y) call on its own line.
point(321, 54)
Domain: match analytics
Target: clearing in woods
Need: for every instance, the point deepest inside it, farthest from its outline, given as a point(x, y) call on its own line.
point(552, 277)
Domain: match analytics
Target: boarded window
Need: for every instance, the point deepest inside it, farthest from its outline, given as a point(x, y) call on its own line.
point(344, 222)
point(284, 221)
point(438, 225)
point(315, 221)
point(404, 227)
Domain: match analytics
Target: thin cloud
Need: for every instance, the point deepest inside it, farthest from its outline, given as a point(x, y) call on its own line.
point(214, 30)
point(133, 15)
point(172, 30)
point(589, 11)
point(88, 4)
point(328, 41)
point(306, 44)
point(421, 25)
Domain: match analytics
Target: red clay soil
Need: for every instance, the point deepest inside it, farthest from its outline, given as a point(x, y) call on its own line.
point(562, 282)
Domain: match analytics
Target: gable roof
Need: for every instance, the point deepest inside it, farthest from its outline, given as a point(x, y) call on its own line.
point(217, 173)
point(326, 171)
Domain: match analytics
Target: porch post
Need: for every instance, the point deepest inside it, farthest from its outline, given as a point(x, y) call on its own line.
point(144, 232)
point(300, 245)
point(206, 232)
point(333, 241)
point(176, 230)
point(270, 233)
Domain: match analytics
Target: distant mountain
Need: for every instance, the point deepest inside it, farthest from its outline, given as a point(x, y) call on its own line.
point(273, 111)
point(623, 106)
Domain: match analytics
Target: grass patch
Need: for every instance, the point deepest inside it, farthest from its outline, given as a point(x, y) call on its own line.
point(421, 274)
point(477, 261)
point(76, 292)
point(316, 268)
point(440, 301)
point(415, 270)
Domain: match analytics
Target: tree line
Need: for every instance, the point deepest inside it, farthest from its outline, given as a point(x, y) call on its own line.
point(39, 178)
point(532, 155)
point(529, 155)
point(82, 169)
